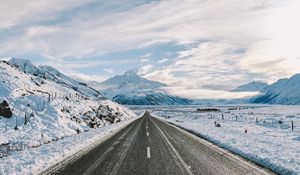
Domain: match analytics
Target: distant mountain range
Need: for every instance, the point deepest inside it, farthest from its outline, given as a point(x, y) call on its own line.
point(285, 91)
point(132, 89)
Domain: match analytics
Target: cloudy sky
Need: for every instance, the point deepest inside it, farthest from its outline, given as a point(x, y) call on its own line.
point(201, 48)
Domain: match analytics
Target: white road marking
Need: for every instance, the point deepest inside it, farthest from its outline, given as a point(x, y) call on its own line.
point(147, 134)
point(148, 152)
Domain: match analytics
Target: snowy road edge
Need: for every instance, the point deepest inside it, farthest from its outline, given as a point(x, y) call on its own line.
point(78, 153)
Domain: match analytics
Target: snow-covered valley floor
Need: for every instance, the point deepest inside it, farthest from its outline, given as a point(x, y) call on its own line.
point(262, 134)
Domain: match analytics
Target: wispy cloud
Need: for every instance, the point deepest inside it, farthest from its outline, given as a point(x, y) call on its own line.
point(204, 66)
point(163, 60)
point(110, 71)
point(18, 12)
point(84, 77)
point(146, 69)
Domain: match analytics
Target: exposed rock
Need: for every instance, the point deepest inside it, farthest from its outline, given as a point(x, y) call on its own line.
point(5, 110)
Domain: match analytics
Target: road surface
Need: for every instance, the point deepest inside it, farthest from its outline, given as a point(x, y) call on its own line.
point(151, 146)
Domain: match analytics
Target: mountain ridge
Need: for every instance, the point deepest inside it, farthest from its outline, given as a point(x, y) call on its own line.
point(284, 91)
point(50, 73)
point(251, 87)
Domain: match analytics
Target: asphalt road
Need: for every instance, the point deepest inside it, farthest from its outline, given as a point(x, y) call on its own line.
point(151, 146)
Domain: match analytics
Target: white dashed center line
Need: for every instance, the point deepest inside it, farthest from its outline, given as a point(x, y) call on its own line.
point(147, 134)
point(148, 152)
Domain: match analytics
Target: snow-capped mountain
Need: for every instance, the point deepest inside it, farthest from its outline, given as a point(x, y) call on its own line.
point(40, 102)
point(132, 89)
point(252, 87)
point(128, 83)
point(284, 91)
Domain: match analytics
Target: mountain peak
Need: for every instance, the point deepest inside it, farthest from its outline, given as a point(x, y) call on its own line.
point(132, 79)
point(20, 62)
point(131, 88)
point(131, 72)
point(24, 65)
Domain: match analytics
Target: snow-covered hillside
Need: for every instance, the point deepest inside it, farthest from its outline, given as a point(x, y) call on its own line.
point(252, 87)
point(48, 106)
point(132, 89)
point(284, 91)
point(50, 73)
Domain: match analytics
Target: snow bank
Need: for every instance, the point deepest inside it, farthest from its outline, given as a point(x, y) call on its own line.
point(35, 160)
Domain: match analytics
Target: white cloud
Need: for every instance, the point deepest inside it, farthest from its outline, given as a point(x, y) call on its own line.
point(110, 71)
point(85, 77)
point(145, 69)
point(144, 60)
point(163, 60)
point(207, 93)
point(146, 55)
